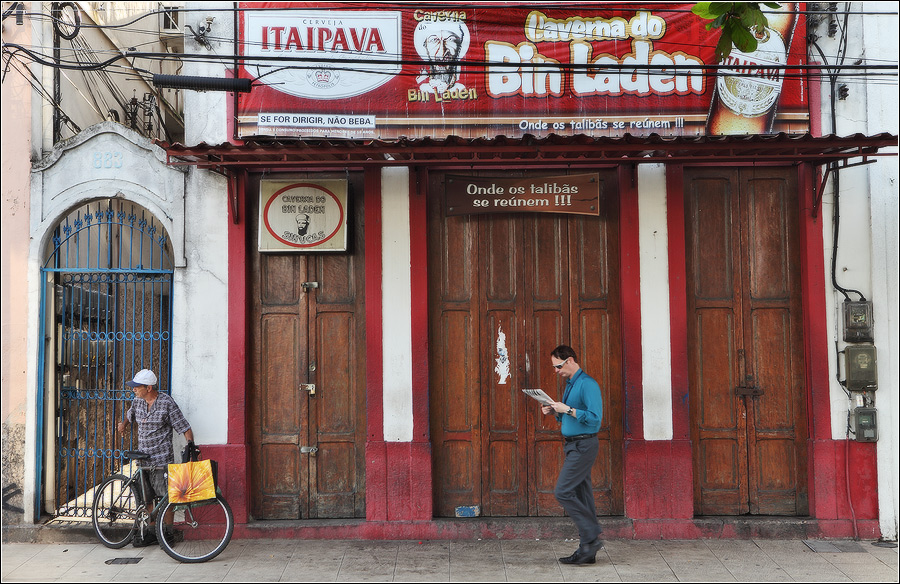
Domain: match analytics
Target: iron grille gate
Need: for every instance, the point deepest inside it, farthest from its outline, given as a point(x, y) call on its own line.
point(106, 313)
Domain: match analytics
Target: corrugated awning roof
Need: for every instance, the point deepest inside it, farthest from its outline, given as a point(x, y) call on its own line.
point(554, 149)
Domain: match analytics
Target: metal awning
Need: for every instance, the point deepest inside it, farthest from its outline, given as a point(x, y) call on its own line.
point(319, 154)
point(578, 150)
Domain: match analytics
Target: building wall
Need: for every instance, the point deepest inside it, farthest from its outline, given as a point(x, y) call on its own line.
point(210, 311)
point(867, 238)
point(31, 210)
point(662, 436)
point(17, 151)
point(882, 115)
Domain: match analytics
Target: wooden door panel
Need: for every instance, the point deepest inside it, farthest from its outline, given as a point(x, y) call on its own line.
point(716, 374)
point(457, 280)
point(722, 479)
point(500, 258)
point(745, 345)
point(337, 368)
point(594, 277)
point(503, 404)
point(547, 457)
point(334, 480)
point(546, 240)
point(334, 401)
point(461, 474)
point(282, 410)
point(501, 252)
point(712, 239)
point(504, 485)
point(774, 409)
point(303, 336)
point(604, 480)
point(279, 285)
point(455, 395)
point(281, 475)
point(594, 269)
point(597, 355)
point(539, 280)
point(774, 492)
point(769, 236)
point(339, 287)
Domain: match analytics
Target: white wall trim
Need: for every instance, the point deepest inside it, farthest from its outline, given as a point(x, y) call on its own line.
point(656, 339)
point(396, 305)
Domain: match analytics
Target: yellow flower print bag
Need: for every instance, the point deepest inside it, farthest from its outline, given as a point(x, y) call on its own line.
point(192, 481)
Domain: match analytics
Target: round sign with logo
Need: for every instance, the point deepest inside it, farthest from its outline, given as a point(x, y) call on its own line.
point(303, 215)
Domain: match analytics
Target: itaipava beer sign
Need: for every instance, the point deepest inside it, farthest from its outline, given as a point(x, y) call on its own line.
point(358, 70)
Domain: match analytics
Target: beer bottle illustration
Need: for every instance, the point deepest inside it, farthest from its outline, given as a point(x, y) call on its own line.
point(748, 85)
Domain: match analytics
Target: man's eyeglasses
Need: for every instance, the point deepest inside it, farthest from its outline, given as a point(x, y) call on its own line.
point(560, 366)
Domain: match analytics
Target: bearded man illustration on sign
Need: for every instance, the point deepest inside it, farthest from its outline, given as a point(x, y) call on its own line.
point(443, 44)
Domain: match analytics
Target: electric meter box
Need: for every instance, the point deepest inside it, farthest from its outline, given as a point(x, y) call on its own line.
point(862, 368)
point(866, 425)
point(858, 322)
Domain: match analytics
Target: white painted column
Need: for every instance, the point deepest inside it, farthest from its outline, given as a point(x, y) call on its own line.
point(656, 349)
point(396, 305)
point(881, 116)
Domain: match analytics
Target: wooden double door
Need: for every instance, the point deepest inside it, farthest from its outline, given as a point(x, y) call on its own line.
point(748, 395)
point(504, 290)
point(307, 377)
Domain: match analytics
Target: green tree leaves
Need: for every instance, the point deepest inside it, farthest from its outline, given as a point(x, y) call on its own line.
point(737, 20)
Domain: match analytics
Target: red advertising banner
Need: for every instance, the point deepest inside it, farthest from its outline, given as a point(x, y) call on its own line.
point(389, 70)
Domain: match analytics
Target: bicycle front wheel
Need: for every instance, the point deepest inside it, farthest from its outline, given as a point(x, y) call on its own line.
point(198, 532)
point(114, 511)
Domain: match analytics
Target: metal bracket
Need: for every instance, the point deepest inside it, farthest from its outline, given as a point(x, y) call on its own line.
point(310, 450)
point(820, 191)
point(307, 286)
point(310, 387)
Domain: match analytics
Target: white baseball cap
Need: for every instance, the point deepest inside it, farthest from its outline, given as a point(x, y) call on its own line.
point(143, 377)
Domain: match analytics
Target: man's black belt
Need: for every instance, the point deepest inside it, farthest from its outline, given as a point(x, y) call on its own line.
point(579, 437)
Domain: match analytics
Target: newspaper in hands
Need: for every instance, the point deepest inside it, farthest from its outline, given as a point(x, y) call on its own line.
point(539, 395)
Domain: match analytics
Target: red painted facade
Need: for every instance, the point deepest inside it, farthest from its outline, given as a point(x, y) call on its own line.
point(657, 474)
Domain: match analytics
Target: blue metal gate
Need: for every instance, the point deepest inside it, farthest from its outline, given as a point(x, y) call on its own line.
point(106, 313)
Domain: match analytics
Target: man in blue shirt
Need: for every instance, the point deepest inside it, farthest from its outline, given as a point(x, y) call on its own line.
point(579, 413)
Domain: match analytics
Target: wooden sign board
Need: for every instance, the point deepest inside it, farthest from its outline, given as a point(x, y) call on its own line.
point(578, 194)
point(302, 215)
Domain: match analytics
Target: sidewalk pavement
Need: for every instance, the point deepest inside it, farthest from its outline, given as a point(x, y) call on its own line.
point(280, 560)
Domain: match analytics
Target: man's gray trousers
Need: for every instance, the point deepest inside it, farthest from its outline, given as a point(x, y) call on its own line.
point(573, 488)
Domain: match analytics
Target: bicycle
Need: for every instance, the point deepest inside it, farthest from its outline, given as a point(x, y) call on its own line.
point(199, 531)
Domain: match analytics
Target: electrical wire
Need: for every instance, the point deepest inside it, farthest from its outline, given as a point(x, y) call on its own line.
point(373, 66)
point(36, 84)
point(92, 60)
point(833, 73)
point(869, 71)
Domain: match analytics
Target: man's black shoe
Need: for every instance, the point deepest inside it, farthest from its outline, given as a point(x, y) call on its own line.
point(592, 547)
point(148, 539)
point(580, 557)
